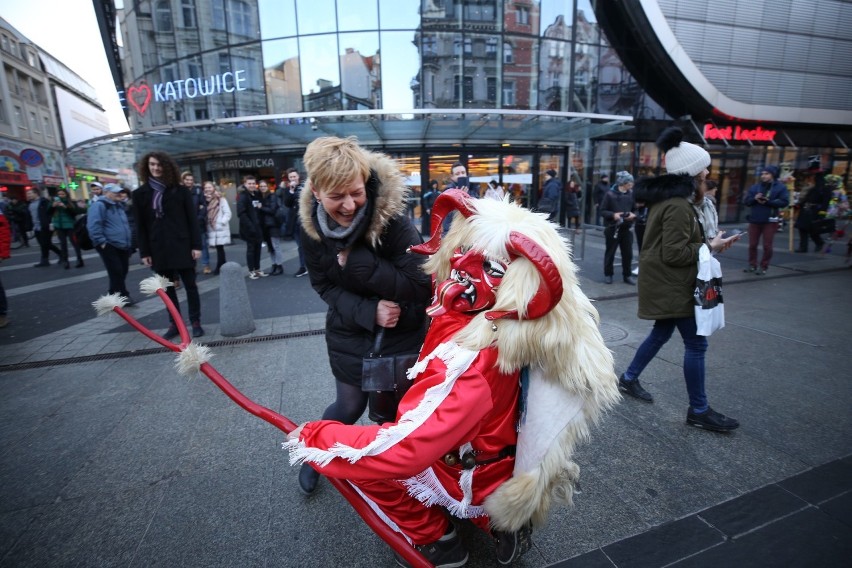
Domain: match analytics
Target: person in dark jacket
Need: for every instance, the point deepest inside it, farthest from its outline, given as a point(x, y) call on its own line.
point(600, 191)
point(571, 205)
point(271, 226)
point(39, 208)
point(617, 211)
point(167, 230)
point(356, 235)
point(110, 232)
point(812, 208)
point(765, 199)
point(551, 195)
point(669, 261)
point(249, 202)
point(200, 205)
point(292, 194)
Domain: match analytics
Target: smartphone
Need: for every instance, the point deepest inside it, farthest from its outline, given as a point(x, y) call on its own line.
point(462, 181)
point(733, 233)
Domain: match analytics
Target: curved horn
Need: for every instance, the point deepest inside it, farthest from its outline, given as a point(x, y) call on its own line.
point(450, 200)
point(550, 288)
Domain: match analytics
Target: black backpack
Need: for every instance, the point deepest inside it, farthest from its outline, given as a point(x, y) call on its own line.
point(81, 233)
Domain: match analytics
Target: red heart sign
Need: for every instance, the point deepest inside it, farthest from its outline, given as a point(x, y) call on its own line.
point(139, 97)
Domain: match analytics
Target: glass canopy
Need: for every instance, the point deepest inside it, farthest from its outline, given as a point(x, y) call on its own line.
point(373, 128)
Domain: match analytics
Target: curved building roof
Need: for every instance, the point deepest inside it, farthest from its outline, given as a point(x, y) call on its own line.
point(763, 60)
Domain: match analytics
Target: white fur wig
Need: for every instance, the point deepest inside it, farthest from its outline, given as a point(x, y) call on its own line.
point(571, 369)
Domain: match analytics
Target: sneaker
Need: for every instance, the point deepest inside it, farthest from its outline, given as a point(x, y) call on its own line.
point(607, 279)
point(711, 420)
point(750, 269)
point(301, 272)
point(760, 271)
point(171, 333)
point(635, 271)
point(511, 546)
point(261, 273)
point(308, 479)
point(634, 389)
point(253, 274)
point(197, 330)
point(630, 280)
point(446, 552)
point(207, 270)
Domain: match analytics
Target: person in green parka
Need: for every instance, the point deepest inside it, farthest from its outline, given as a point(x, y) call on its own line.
point(669, 262)
point(63, 213)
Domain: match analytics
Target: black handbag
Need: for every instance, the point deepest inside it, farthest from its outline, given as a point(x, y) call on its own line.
point(383, 376)
point(821, 226)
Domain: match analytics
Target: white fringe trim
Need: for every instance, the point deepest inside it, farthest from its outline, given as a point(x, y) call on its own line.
point(379, 513)
point(150, 285)
point(189, 360)
point(107, 303)
point(457, 361)
point(426, 488)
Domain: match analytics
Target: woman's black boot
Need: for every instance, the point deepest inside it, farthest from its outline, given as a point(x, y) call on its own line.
point(308, 478)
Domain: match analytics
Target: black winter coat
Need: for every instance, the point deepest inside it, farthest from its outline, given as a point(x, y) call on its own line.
point(170, 240)
point(269, 216)
point(249, 216)
point(378, 267)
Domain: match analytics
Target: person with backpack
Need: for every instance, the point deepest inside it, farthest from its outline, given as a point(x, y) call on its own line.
point(109, 231)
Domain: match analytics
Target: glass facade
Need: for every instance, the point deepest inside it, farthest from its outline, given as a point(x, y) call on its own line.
point(376, 68)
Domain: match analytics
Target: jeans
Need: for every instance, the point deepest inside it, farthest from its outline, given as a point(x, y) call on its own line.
point(297, 236)
point(66, 235)
point(253, 255)
point(205, 253)
point(116, 262)
point(275, 252)
point(618, 236)
point(693, 356)
point(755, 232)
point(46, 245)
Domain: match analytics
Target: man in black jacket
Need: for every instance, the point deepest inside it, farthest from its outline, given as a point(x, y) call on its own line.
point(617, 211)
point(39, 208)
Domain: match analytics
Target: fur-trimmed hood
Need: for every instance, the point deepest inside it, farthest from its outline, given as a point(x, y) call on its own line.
point(386, 191)
point(653, 190)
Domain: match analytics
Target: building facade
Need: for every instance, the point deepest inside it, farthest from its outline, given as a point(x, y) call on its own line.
point(509, 87)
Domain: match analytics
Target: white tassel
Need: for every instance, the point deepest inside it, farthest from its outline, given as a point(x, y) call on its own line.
point(106, 304)
point(150, 285)
point(191, 358)
point(426, 488)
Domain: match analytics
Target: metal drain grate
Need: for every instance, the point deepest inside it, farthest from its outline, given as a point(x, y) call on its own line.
point(143, 352)
point(611, 333)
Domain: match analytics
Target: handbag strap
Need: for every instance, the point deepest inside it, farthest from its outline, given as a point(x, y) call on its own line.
point(377, 343)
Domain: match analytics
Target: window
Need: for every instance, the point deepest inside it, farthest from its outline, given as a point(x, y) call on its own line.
point(430, 45)
point(169, 74)
point(491, 46)
point(31, 58)
point(34, 125)
point(48, 129)
point(19, 118)
point(239, 18)
point(523, 15)
point(4, 42)
point(201, 114)
point(218, 12)
point(3, 118)
point(456, 87)
point(457, 47)
point(224, 63)
point(507, 53)
point(188, 11)
point(468, 46)
point(163, 14)
point(491, 88)
point(508, 93)
point(193, 67)
point(468, 89)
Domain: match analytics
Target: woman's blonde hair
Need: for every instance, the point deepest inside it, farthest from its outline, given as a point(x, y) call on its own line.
point(332, 162)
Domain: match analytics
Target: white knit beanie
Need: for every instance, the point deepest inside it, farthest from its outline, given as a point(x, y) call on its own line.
point(682, 157)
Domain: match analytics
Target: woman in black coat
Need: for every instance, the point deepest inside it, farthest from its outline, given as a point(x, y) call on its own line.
point(356, 235)
point(167, 231)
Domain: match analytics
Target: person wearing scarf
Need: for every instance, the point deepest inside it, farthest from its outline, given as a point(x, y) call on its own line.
point(355, 237)
point(167, 230)
point(218, 218)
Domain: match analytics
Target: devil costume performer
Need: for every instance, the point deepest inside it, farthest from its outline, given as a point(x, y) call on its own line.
point(507, 308)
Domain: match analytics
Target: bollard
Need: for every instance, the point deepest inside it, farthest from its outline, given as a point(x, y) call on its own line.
point(235, 317)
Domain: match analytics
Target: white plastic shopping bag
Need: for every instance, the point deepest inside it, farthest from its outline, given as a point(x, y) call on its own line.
point(709, 309)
